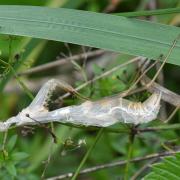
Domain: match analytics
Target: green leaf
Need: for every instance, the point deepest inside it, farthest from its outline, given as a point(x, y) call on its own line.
point(153, 176)
point(11, 168)
point(150, 12)
point(18, 156)
point(99, 30)
point(168, 169)
point(31, 46)
point(12, 142)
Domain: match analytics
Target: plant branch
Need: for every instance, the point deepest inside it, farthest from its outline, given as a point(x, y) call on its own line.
point(159, 128)
point(142, 169)
point(62, 61)
point(87, 154)
point(130, 151)
point(101, 76)
point(172, 114)
point(167, 95)
point(114, 164)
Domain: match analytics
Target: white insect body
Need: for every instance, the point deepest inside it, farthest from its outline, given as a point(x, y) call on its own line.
point(99, 113)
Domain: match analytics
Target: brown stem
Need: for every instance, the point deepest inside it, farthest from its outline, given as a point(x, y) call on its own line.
point(114, 164)
point(62, 62)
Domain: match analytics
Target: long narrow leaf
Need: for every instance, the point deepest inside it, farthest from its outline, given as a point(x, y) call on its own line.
point(104, 31)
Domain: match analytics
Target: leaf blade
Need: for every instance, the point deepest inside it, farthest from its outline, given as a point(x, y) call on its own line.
point(169, 168)
point(110, 32)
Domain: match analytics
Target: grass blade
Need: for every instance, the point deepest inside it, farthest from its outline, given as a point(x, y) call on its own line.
point(116, 33)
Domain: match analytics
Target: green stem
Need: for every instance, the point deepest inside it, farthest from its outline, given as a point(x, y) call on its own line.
point(25, 88)
point(29, 47)
point(130, 151)
point(10, 50)
point(87, 154)
point(161, 127)
point(4, 144)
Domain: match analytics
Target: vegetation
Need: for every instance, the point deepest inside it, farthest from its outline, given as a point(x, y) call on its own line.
point(94, 52)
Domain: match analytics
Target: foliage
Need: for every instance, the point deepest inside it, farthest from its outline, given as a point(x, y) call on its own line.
point(85, 29)
point(29, 152)
point(169, 168)
point(11, 159)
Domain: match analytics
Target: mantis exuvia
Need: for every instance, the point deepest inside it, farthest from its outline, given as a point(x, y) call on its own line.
point(99, 113)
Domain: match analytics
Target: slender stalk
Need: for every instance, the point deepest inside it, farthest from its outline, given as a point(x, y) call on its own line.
point(130, 151)
point(142, 169)
point(116, 130)
point(159, 128)
point(10, 59)
point(100, 76)
point(61, 62)
point(165, 60)
point(172, 114)
point(4, 144)
point(167, 95)
point(87, 154)
point(139, 78)
point(25, 88)
point(139, 130)
point(117, 163)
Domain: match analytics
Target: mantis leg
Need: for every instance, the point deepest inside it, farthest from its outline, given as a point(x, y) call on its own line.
point(48, 88)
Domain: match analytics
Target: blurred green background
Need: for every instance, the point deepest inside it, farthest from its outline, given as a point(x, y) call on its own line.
point(27, 149)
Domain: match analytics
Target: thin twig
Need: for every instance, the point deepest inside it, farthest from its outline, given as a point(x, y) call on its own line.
point(114, 164)
point(101, 76)
point(158, 128)
point(4, 144)
point(167, 95)
point(172, 114)
point(139, 130)
point(50, 153)
point(152, 81)
point(24, 87)
point(142, 169)
point(87, 154)
point(160, 81)
point(44, 126)
point(48, 159)
point(116, 130)
point(164, 61)
point(139, 78)
point(130, 152)
point(62, 61)
point(150, 67)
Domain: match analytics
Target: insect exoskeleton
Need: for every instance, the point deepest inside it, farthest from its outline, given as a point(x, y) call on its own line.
point(137, 112)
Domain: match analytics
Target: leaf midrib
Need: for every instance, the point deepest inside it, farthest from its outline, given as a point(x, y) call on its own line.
point(87, 28)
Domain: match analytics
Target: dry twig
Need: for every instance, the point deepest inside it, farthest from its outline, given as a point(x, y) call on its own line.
point(167, 95)
point(114, 164)
point(101, 76)
point(62, 62)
